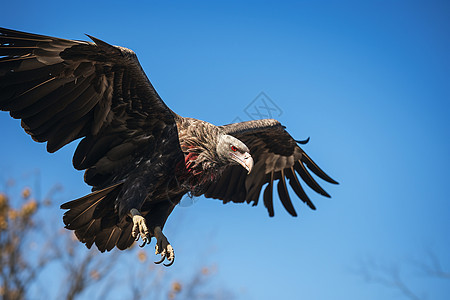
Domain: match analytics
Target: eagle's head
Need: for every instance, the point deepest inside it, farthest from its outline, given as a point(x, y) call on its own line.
point(232, 151)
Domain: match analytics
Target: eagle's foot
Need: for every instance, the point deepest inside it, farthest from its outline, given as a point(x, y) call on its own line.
point(163, 247)
point(140, 228)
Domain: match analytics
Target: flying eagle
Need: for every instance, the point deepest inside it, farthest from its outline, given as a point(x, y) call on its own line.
point(140, 157)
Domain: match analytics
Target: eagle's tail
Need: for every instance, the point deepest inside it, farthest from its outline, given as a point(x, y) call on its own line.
point(95, 220)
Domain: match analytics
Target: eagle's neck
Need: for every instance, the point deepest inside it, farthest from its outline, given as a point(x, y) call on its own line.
point(201, 164)
point(193, 175)
point(198, 140)
point(192, 164)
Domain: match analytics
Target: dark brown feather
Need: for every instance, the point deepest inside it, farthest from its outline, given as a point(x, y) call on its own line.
point(88, 230)
point(90, 150)
point(304, 174)
point(297, 187)
point(40, 123)
point(268, 195)
point(316, 170)
point(65, 134)
point(284, 195)
point(40, 108)
point(113, 237)
point(81, 211)
point(125, 239)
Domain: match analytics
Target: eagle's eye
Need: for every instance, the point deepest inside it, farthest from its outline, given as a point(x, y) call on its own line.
point(233, 148)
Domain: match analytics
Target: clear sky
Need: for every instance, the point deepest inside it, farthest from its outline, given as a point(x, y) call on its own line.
point(369, 82)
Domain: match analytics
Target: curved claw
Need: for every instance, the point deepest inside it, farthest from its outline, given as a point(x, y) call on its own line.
point(144, 241)
point(163, 257)
point(169, 264)
point(139, 229)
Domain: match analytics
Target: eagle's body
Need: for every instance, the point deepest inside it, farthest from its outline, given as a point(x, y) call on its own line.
point(140, 157)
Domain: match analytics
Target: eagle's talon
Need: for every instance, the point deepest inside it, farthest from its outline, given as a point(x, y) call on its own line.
point(169, 264)
point(163, 248)
point(161, 260)
point(144, 242)
point(140, 229)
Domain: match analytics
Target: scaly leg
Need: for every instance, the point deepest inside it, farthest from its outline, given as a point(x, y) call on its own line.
point(163, 247)
point(139, 227)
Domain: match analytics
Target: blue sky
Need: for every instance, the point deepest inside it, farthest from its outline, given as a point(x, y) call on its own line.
point(367, 81)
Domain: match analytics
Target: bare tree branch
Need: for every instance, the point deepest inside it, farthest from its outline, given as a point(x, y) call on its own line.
point(390, 275)
point(386, 275)
point(432, 266)
point(31, 238)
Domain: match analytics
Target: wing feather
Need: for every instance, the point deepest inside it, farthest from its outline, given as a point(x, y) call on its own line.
point(316, 170)
point(66, 89)
point(284, 195)
point(235, 177)
point(268, 195)
point(304, 174)
point(297, 187)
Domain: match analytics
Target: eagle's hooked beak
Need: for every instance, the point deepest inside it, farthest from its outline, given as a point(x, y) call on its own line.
point(244, 159)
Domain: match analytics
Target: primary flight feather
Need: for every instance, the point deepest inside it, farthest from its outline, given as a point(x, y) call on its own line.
point(140, 157)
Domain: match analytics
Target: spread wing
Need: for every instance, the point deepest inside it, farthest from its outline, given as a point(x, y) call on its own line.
point(65, 89)
point(277, 156)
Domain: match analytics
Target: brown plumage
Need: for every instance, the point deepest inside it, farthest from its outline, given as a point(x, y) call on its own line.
point(140, 157)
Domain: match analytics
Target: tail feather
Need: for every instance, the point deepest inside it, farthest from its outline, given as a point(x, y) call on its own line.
point(89, 230)
point(107, 238)
point(89, 242)
point(83, 200)
point(95, 221)
point(126, 239)
point(81, 215)
point(81, 211)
